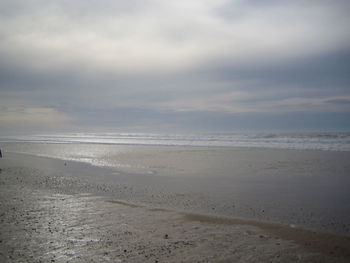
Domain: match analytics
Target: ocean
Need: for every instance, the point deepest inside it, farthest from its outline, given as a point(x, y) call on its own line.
point(291, 178)
point(99, 148)
point(334, 141)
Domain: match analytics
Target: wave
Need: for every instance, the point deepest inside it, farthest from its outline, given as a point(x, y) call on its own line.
point(336, 141)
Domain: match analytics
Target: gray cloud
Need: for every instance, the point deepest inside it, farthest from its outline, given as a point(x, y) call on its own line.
point(75, 9)
point(339, 101)
point(207, 65)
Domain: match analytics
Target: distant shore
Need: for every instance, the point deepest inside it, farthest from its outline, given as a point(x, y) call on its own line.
point(49, 213)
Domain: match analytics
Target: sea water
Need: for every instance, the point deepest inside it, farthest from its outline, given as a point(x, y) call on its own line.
point(336, 141)
point(234, 174)
point(109, 149)
point(100, 148)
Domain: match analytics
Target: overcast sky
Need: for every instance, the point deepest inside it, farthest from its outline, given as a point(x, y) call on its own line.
point(161, 65)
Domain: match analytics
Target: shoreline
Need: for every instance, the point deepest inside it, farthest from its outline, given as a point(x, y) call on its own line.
point(46, 224)
point(194, 194)
point(297, 140)
point(308, 189)
point(36, 191)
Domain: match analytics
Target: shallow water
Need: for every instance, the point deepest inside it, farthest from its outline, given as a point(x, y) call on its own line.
point(41, 224)
point(301, 188)
point(334, 141)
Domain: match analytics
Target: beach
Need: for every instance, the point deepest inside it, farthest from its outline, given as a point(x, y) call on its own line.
point(174, 131)
point(64, 211)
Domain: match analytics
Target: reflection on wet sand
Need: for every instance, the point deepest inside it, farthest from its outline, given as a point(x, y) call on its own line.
point(44, 225)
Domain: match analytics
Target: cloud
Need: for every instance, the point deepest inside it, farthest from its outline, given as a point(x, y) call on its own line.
point(99, 36)
point(164, 63)
point(339, 101)
point(23, 118)
point(163, 35)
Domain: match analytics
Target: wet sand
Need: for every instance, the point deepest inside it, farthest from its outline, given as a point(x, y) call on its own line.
point(307, 189)
point(49, 215)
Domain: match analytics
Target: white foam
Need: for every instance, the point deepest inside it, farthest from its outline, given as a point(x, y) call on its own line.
point(304, 141)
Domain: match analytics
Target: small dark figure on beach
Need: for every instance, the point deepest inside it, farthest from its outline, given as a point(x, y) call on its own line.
point(0, 153)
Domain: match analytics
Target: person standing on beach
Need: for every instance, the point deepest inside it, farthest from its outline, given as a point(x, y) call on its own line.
point(0, 157)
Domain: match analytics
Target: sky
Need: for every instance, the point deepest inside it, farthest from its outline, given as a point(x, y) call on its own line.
point(174, 66)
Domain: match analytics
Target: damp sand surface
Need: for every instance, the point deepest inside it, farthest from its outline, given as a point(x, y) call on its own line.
point(303, 188)
point(48, 215)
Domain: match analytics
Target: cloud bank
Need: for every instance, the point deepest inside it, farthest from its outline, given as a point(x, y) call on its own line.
point(188, 65)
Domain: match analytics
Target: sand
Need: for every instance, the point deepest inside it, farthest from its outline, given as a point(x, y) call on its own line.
point(49, 215)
